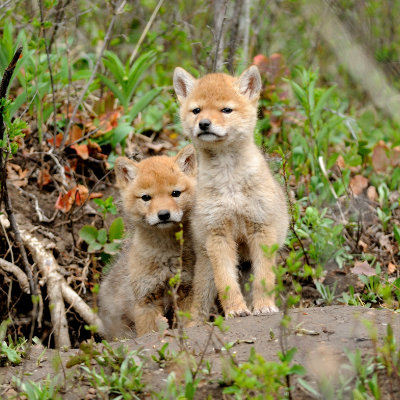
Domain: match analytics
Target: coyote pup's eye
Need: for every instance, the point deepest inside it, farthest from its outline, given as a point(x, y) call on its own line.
point(176, 193)
point(227, 110)
point(146, 197)
point(196, 111)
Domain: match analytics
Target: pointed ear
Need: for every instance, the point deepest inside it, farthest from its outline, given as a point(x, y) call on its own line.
point(183, 83)
point(187, 161)
point(249, 82)
point(126, 171)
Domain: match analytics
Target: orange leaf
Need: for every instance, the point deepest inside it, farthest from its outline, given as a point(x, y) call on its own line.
point(58, 140)
point(380, 160)
point(358, 184)
point(44, 178)
point(391, 268)
point(82, 150)
point(75, 134)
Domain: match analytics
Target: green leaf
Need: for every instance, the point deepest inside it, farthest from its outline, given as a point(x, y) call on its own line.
point(102, 236)
point(144, 102)
point(299, 93)
point(121, 132)
point(117, 92)
point(116, 229)
point(308, 387)
point(95, 246)
point(321, 102)
point(11, 354)
point(112, 248)
point(298, 370)
point(88, 233)
point(396, 231)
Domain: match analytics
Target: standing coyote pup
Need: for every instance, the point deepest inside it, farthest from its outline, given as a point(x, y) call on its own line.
point(239, 205)
point(157, 194)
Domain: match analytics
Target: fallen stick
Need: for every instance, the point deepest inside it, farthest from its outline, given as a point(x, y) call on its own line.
point(18, 273)
point(72, 298)
point(48, 267)
point(58, 290)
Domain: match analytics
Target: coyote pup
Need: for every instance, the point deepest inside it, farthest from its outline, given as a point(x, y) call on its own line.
point(157, 195)
point(239, 205)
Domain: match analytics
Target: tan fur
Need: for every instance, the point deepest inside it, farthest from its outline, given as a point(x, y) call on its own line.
point(239, 205)
point(136, 288)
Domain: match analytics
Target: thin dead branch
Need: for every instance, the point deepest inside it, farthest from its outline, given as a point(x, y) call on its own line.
point(219, 39)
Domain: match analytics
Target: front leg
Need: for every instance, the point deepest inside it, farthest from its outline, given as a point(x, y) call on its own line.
point(264, 277)
point(147, 315)
point(204, 290)
point(221, 249)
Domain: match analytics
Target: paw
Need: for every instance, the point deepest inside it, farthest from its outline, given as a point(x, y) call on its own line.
point(265, 310)
point(237, 312)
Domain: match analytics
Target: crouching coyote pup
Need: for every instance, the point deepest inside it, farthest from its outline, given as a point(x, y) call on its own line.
point(239, 205)
point(157, 195)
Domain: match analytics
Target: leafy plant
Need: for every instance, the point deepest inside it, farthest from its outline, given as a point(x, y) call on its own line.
point(99, 240)
point(10, 353)
point(327, 295)
point(46, 390)
point(128, 79)
point(106, 206)
point(261, 379)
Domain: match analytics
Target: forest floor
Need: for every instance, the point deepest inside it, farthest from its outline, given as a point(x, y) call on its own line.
point(320, 335)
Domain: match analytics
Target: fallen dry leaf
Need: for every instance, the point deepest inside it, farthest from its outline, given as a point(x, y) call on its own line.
point(44, 178)
point(380, 160)
point(363, 245)
point(395, 156)
point(82, 150)
point(372, 193)
point(340, 161)
point(384, 241)
point(17, 175)
point(58, 140)
point(78, 193)
point(391, 268)
point(362, 268)
point(358, 183)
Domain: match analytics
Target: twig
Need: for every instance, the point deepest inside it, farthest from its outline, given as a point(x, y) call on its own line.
point(3, 5)
point(92, 190)
point(204, 351)
point(219, 39)
point(234, 34)
point(3, 95)
point(292, 220)
point(144, 33)
point(40, 213)
point(332, 189)
point(60, 168)
point(51, 74)
point(246, 37)
point(117, 11)
point(18, 273)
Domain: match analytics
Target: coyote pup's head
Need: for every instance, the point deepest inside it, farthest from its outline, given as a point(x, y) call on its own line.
point(218, 108)
point(158, 191)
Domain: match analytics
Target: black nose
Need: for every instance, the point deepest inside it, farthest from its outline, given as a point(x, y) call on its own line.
point(204, 124)
point(164, 215)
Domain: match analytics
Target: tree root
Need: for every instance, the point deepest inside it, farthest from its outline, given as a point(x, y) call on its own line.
point(18, 273)
point(58, 290)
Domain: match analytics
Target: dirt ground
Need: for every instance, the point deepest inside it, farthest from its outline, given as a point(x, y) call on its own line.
point(319, 334)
